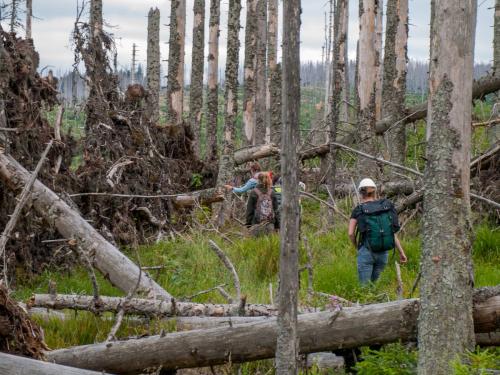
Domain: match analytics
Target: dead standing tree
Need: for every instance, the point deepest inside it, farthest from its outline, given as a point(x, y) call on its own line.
point(197, 67)
point(29, 16)
point(394, 88)
point(153, 65)
point(260, 74)
point(226, 162)
point(379, 31)
point(446, 326)
point(496, 39)
point(249, 72)
point(287, 342)
point(366, 83)
point(273, 109)
point(175, 78)
point(213, 81)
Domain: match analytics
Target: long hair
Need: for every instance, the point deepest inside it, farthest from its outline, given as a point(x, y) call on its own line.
point(265, 180)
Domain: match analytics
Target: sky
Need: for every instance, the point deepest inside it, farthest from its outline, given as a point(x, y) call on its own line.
point(127, 20)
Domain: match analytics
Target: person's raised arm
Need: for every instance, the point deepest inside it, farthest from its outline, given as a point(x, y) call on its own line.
point(249, 185)
point(352, 232)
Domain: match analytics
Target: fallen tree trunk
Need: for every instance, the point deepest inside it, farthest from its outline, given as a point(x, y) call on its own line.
point(148, 307)
point(324, 331)
point(14, 365)
point(202, 197)
point(115, 266)
point(484, 86)
point(256, 152)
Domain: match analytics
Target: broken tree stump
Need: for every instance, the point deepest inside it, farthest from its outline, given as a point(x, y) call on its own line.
point(113, 264)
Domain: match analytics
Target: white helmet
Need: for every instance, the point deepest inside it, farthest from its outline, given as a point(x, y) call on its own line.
point(366, 182)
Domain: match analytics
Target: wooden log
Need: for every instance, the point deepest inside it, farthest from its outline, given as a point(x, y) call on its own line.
point(324, 331)
point(147, 307)
point(483, 86)
point(113, 264)
point(203, 197)
point(256, 152)
point(15, 365)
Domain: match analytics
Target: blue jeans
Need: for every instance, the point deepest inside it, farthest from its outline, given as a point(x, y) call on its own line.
point(370, 264)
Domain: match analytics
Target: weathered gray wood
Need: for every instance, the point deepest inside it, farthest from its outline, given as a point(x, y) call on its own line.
point(325, 331)
point(254, 153)
point(446, 326)
point(148, 307)
point(260, 73)
point(496, 39)
point(287, 341)
point(153, 65)
point(120, 270)
point(273, 101)
point(15, 365)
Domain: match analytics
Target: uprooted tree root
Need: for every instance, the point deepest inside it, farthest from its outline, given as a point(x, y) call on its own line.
point(25, 95)
point(18, 333)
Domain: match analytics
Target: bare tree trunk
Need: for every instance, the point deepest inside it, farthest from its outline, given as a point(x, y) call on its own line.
point(330, 35)
point(366, 84)
point(133, 68)
point(74, 87)
point(496, 39)
point(337, 75)
point(96, 22)
point(346, 88)
point(379, 30)
point(213, 80)
point(394, 89)
point(446, 326)
point(349, 328)
point(249, 72)
point(272, 101)
point(175, 78)
point(227, 162)
point(29, 16)
point(13, 15)
point(197, 68)
point(260, 74)
point(287, 348)
point(153, 65)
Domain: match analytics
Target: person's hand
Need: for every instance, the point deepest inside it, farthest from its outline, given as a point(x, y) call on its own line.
point(228, 187)
point(402, 258)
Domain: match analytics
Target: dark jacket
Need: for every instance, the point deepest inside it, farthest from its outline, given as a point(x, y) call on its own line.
point(252, 206)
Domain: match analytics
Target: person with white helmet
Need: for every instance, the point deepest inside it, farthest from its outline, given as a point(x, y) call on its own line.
point(372, 230)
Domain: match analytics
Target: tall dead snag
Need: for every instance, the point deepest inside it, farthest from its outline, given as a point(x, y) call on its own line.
point(344, 54)
point(394, 89)
point(337, 74)
point(213, 80)
point(287, 344)
point(197, 67)
point(496, 39)
point(153, 65)
point(226, 161)
point(379, 30)
point(273, 101)
point(249, 72)
point(260, 74)
point(445, 323)
point(175, 77)
point(14, 7)
point(29, 16)
point(366, 83)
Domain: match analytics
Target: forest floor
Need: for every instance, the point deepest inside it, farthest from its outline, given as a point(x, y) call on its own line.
point(191, 266)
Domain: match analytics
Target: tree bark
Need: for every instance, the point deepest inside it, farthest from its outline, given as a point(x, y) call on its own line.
point(227, 159)
point(445, 323)
point(496, 39)
point(287, 340)
point(29, 17)
point(324, 331)
point(254, 153)
point(13, 15)
point(367, 83)
point(153, 65)
point(148, 307)
point(273, 101)
point(260, 74)
point(197, 68)
point(175, 78)
point(249, 66)
point(213, 81)
point(344, 54)
point(15, 365)
point(379, 31)
point(115, 266)
point(394, 88)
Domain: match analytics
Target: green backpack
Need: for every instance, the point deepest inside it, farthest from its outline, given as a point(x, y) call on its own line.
point(377, 225)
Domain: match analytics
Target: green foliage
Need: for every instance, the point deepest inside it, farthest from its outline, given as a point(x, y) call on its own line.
point(392, 359)
point(196, 180)
point(478, 362)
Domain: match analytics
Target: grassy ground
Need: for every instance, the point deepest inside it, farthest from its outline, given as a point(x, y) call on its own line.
point(190, 266)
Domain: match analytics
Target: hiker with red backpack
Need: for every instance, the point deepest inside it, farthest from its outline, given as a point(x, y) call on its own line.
point(262, 214)
point(372, 230)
